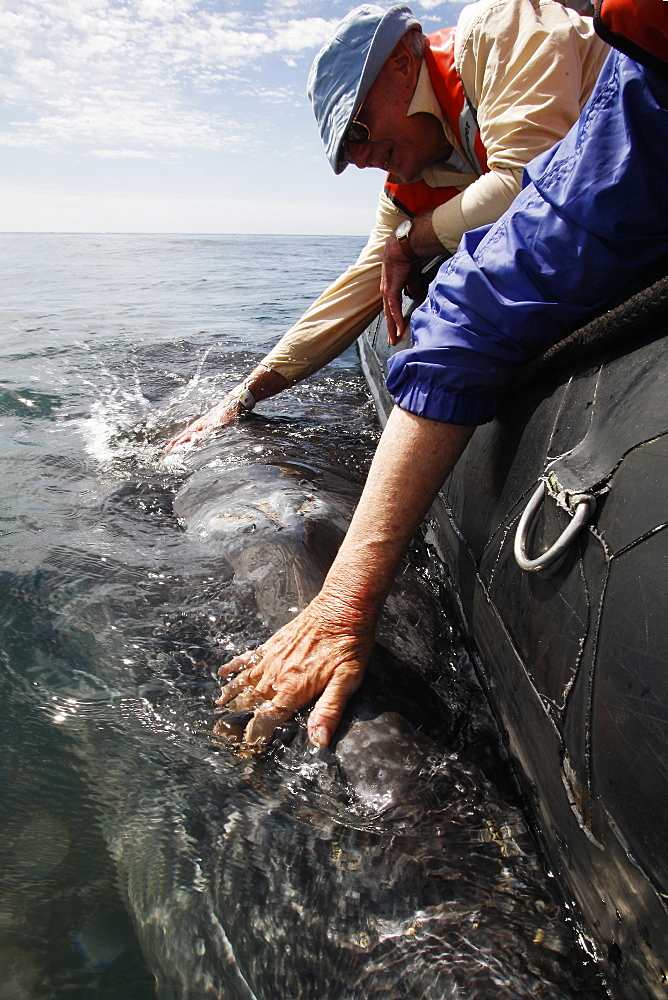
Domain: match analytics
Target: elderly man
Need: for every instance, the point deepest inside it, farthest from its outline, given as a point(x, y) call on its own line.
point(453, 117)
point(593, 214)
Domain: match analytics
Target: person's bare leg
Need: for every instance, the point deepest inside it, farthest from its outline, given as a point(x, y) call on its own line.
point(324, 651)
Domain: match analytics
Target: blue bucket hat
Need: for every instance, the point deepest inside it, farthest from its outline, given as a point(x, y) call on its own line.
point(345, 68)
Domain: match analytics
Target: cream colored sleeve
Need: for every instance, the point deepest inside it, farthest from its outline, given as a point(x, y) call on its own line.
point(528, 67)
point(480, 203)
point(343, 310)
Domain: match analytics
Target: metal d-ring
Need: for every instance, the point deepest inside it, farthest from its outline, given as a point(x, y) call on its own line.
point(584, 506)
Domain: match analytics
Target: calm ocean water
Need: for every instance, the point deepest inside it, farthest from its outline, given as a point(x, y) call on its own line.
point(134, 846)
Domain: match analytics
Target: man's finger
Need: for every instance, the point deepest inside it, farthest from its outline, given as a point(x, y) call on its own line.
point(232, 726)
point(263, 725)
point(247, 701)
point(233, 688)
point(175, 442)
point(218, 416)
point(239, 663)
point(190, 434)
point(399, 325)
point(330, 706)
point(389, 321)
point(395, 328)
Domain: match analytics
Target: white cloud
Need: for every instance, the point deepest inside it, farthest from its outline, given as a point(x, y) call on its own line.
point(121, 120)
point(93, 72)
point(123, 154)
point(306, 34)
point(138, 114)
point(434, 4)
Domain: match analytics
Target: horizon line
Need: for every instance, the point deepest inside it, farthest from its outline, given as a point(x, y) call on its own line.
point(136, 232)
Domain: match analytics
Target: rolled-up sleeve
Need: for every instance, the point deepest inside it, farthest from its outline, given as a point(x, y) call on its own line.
point(528, 66)
point(593, 214)
point(482, 202)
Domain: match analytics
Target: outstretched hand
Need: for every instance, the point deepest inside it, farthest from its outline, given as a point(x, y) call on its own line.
point(318, 655)
point(220, 415)
point(262, 383)
point(322, 654)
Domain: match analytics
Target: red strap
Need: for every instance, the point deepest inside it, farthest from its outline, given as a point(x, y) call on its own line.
point(439, 53)
point(637, 27)
point(418, 198)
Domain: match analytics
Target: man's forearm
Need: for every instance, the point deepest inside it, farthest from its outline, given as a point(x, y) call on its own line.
point(321, 655)
point(263, 382)
point(424, 240)
point(413, 458)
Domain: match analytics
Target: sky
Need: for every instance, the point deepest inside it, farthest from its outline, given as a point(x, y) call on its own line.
point(173, 116)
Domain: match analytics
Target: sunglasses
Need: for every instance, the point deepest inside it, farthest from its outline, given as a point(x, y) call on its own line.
point(356, 133)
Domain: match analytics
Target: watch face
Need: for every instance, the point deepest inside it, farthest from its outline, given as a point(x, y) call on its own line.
point(403, 229)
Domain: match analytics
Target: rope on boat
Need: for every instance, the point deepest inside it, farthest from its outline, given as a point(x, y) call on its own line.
point(634, 313)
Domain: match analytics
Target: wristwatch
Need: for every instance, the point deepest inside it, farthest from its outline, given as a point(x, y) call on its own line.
point(403, 233)
point(243, 396)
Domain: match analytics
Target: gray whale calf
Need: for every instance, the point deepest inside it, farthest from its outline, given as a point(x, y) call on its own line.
point(388, 866)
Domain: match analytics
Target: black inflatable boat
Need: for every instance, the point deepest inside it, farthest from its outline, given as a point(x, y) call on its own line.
point(552, 534)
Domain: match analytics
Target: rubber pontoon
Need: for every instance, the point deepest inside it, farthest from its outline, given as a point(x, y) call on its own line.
point(572, 646)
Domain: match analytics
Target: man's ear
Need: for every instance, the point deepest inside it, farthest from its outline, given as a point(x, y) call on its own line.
point(403, 60)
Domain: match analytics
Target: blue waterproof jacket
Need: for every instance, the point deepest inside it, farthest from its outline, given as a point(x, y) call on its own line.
point(592, 214)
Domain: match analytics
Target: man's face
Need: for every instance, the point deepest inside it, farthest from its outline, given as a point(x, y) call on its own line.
point(402, 145)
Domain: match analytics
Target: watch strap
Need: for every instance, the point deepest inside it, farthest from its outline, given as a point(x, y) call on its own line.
point(243, 395)
point(406, 248)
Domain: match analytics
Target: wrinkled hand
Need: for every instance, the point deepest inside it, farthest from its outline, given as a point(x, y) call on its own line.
point(220, 415)
point(396, 274)
point(316, 655)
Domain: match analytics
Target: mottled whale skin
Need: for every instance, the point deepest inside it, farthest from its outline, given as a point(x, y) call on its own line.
point(271, 524)
point(384, 867)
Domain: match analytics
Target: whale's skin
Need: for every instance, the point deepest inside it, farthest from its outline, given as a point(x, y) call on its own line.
point(387, 866)
point(345, 873)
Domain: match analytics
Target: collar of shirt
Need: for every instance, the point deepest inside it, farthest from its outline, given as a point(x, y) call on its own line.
point(455, 171)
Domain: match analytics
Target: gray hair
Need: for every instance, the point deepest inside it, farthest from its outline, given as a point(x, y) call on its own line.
point(414, 40)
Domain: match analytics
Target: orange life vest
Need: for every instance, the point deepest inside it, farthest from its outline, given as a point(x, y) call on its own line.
point(637, 27)
point(439, 55)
